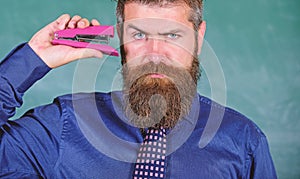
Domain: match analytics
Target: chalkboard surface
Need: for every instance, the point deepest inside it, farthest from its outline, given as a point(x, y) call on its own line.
point(253, 46)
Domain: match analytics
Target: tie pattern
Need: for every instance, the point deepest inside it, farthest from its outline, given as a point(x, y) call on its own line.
point(151, 157)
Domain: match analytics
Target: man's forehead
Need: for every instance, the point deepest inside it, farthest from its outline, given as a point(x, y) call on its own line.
point(175, 13)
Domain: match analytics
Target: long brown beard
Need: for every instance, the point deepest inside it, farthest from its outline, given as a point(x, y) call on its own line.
point(156, 102)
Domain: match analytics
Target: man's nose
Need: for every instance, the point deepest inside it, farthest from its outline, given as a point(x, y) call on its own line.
point(155, 58)
point(155, 45)
point(155, 50)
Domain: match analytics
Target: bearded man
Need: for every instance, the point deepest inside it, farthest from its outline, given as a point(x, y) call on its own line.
point(150, 129)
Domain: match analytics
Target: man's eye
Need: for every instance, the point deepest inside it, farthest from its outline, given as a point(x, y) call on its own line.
point(139, 36)
point(173, 36)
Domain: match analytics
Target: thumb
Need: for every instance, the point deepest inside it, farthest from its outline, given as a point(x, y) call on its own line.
point(72, 55)
point(79, 53)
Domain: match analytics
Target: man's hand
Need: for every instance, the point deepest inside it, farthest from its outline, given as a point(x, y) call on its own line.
point(58, 55)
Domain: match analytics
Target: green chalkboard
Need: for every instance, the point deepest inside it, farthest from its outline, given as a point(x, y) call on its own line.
point(250, 62)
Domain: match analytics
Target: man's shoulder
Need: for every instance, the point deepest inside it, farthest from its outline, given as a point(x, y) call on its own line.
point(228, 121)
point(85, 96)
point(85, 101)
point(229, 114)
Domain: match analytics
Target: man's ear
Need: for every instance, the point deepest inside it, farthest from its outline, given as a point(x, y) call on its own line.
point(118, 27)
point(201, 33)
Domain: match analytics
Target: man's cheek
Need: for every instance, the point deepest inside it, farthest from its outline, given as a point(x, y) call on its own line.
point(133, 54)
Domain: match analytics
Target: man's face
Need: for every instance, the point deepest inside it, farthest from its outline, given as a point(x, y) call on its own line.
point(161, 66)
point(151, 32)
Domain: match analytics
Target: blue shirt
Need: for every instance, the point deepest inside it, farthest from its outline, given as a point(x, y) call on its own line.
point(87, 135)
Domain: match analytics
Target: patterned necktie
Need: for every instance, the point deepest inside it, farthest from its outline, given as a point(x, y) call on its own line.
point(151, 158)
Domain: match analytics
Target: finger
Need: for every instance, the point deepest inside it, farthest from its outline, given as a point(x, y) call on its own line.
point(83, 23)
point(73, 21)
point(61, 22)
point(95, 22)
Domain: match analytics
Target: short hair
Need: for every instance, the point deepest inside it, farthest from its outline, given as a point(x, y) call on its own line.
point(195, 5)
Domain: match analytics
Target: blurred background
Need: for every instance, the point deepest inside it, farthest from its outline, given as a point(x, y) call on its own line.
point(256, 43)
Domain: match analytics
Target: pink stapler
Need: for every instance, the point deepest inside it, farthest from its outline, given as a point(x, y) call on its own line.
point(95, 37)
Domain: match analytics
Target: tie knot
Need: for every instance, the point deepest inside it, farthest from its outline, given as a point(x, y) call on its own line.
point(155, 134)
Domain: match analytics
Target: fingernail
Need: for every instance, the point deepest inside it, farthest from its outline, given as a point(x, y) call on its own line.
point(81, 23)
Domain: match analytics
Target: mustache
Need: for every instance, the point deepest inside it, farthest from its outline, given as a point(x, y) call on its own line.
point(133, 73)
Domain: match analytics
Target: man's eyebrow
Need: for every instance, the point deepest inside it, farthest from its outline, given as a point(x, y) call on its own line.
point(131, 26)
point(173, 31)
